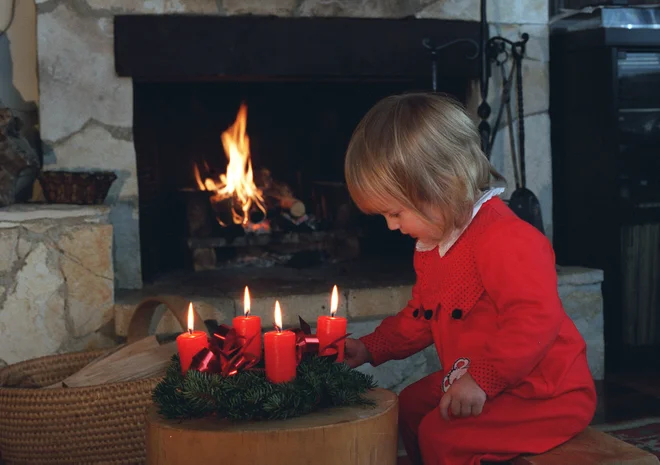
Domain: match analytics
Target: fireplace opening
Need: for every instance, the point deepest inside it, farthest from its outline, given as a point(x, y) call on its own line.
point(241, 125)
point(194, 210)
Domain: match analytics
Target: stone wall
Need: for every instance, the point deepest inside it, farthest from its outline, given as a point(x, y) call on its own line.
point(86, 111)
point(56, 286)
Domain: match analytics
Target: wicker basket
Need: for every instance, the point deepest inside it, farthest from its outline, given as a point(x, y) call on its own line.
point(96, 424)
point(76, 188)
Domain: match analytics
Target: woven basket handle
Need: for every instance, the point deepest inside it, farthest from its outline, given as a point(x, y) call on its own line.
point(138, 328)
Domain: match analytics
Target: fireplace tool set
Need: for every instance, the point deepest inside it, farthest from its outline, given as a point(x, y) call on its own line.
point(498, 51)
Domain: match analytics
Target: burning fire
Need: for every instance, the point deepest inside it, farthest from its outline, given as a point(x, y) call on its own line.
point(237, 183)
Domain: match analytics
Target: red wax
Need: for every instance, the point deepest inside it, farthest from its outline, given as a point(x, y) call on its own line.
point(329, 329)
point(280, 353)
point(249, 326)
point(189, 345)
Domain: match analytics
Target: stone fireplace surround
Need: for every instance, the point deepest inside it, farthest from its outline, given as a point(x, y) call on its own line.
point(86, 110)
point(86, 124)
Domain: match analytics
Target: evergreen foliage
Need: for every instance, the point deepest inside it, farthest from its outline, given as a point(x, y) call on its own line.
point(248, 395)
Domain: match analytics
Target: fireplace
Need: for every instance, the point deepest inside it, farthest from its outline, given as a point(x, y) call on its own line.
point(296, 87)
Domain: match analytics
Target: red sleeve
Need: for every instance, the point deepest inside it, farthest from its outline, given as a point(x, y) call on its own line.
point(401, 335)
point(517, 267)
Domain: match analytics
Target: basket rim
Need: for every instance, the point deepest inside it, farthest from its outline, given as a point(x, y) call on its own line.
point(138, 328)
point(105, 386)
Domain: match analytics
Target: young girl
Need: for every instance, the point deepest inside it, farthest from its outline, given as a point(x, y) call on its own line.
point(515, 377)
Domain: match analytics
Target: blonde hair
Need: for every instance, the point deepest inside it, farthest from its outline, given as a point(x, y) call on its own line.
point(421, 150)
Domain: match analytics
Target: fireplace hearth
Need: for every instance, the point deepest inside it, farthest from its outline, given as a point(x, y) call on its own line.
point(289, 91)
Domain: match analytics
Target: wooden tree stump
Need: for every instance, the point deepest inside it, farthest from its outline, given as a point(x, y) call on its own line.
point(338, 436)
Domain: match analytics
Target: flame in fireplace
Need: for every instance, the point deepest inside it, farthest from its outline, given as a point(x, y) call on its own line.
point(237, 183)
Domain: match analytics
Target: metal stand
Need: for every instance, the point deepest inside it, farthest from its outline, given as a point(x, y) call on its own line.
point(498, 51)
point(434, 49)
point(484, 109)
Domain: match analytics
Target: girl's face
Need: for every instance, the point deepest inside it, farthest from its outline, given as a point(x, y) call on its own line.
point(413, 225)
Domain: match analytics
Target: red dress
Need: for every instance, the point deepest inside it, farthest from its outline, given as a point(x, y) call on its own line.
point(492, 309)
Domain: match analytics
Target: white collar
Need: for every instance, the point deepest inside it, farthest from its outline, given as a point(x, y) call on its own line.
point(443, 247)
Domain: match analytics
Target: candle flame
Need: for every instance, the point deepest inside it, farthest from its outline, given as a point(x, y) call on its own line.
point(278, 316)
point(191, 318)
point(334, 301)
point(246, 302)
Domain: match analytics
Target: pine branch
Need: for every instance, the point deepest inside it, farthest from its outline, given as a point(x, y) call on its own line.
point(248, 395)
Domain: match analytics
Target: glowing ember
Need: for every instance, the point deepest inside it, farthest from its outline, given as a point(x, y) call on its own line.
point(237, 183)
point(263, 227)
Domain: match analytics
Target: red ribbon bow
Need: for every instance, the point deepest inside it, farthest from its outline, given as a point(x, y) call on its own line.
point(306, 342)
point(226, 353)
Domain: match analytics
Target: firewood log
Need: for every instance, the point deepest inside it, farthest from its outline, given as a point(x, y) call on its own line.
point(294, 206)
point(279, 194)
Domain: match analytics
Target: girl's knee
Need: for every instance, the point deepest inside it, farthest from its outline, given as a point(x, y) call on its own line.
point(433, 438)
point(431, 428)
point(408, 398)
point(418, 399)
point(425, 392)
point(408, 407)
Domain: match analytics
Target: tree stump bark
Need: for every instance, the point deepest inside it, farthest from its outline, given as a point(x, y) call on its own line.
point(337, 436)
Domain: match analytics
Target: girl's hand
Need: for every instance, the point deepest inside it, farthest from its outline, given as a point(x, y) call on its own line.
point(463, 398)
point(356, 353)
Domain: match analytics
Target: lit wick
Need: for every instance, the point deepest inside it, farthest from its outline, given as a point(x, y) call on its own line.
point(246, 302)
point(278, 317)
point(191, 319)
point(334, 302)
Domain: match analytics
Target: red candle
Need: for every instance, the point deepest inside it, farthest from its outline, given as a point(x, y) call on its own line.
point(249, 326)
point(330, 328)
point(190, 343)
point(280, 351)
